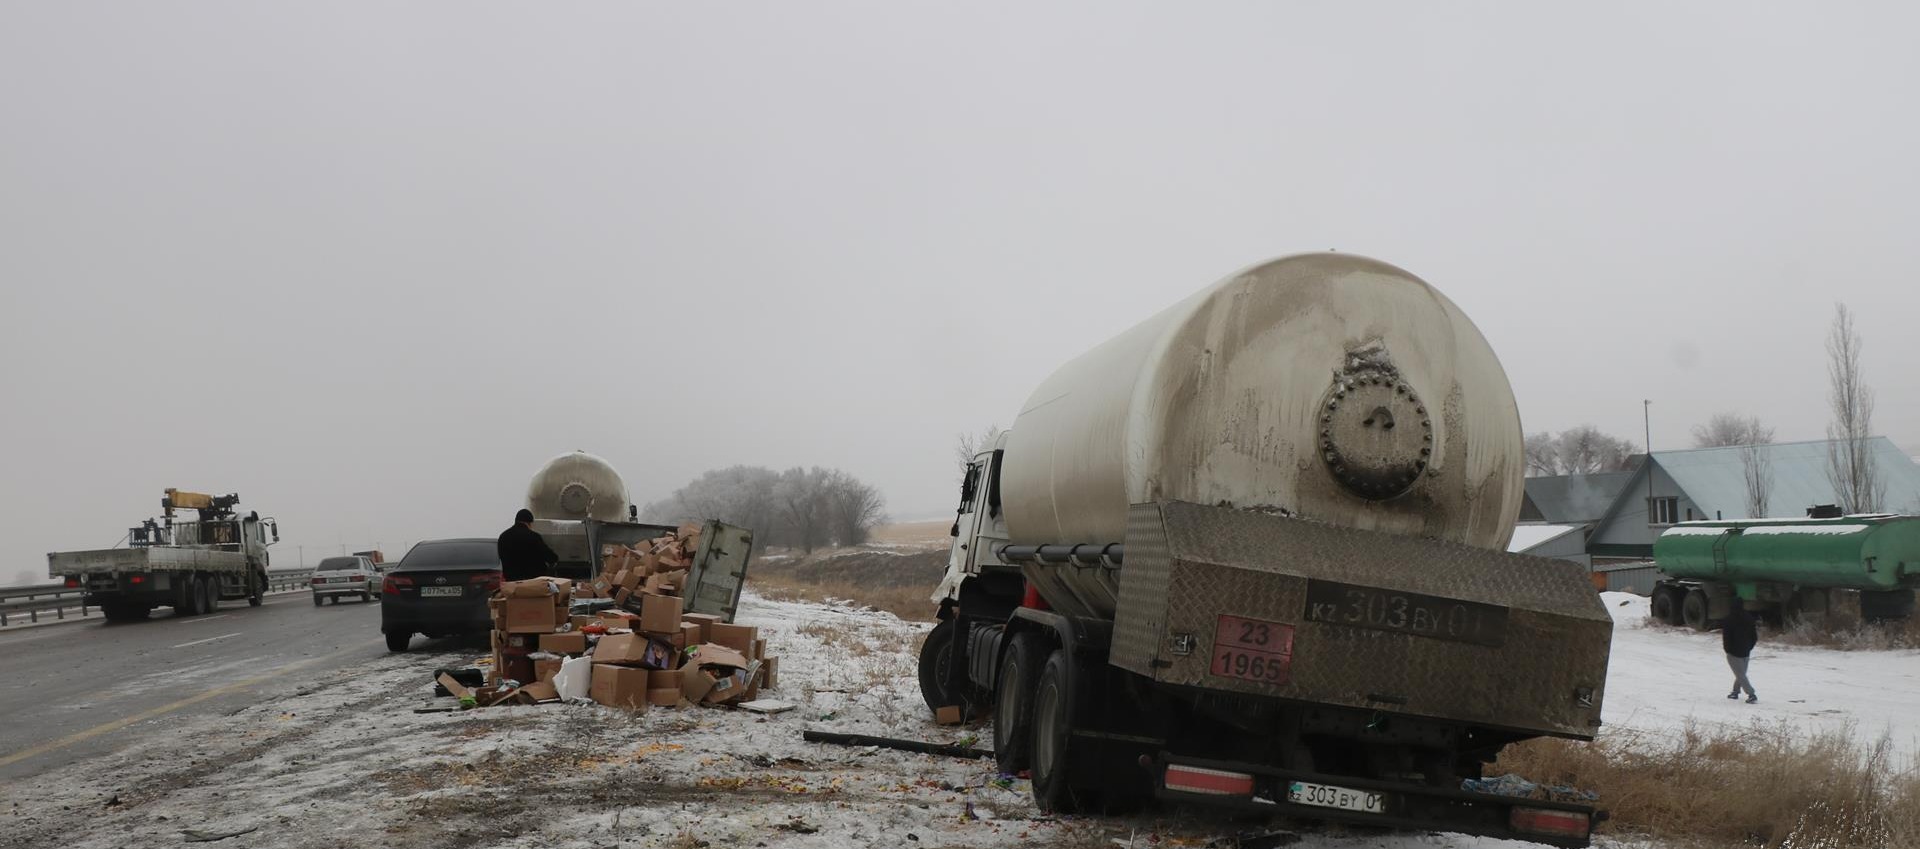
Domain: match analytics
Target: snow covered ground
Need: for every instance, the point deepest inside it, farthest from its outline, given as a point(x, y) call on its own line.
point(344, 760)
point(1659, 678)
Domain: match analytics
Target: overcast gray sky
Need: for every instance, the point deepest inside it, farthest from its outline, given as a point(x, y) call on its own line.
point(370, 265)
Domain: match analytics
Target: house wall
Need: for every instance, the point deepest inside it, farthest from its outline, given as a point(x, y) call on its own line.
point(1625, 532)
point(1568, 546)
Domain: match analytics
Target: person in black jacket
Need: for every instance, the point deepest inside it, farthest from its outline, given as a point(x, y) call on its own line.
point(1737, 637)
point(523, 554)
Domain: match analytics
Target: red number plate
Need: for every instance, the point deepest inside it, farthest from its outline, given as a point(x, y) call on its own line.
point(1252, 649)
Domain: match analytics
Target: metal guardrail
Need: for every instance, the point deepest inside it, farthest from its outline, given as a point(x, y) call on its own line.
point(58, 599)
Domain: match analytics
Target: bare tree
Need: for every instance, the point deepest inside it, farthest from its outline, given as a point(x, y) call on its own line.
point(1543, 457)
point(1585, 450)
point(737, 495)
point(853, 508)
point(974, 443)
point(1756, 463)
point(801, 505)
point(1851, 466)
point(1728, 429)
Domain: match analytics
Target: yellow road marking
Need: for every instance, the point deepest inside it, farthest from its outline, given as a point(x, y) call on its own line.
point(82, 736)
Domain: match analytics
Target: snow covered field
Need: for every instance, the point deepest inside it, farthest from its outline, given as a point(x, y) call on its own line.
point(1660, 677)
point(344, 761)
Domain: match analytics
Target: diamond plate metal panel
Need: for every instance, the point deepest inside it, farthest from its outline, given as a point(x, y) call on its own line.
point(1254, 565)
point(1139, 623)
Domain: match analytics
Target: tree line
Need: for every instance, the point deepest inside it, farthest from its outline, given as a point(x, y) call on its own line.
point(1852, 468)
point(805, 508)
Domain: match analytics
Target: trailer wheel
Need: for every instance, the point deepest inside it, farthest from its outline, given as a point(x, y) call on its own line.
point(936, 667)
point(1013, 703)
point(1694, 610)
point(1054, 789)
point(1663, 607)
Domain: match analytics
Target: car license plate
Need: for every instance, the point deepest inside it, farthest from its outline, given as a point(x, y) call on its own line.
point(440, 591)
point(1329, 796)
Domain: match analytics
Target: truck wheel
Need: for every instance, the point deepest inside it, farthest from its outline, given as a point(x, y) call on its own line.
point(1053, 785)
point(211, 599)
point(1013, 703)
point(257, 594)
point(1663, 611)
point(186, 595)
point(936, 672)
point(1694, 610)
point(398, 640)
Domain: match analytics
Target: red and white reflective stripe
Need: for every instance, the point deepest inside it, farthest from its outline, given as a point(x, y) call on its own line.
point(1210, 782)
point(1549, 821)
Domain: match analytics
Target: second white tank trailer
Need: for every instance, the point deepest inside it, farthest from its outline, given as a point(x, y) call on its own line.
point(1250, 552)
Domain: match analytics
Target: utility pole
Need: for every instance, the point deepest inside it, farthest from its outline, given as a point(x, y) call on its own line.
point(1646, 416)
point(303, 555)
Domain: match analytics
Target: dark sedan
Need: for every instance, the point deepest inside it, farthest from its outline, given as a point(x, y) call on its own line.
point(439, 589)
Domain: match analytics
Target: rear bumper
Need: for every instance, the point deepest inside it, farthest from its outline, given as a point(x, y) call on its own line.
point(400, 615)
point(1406, 806)
point(343, 589)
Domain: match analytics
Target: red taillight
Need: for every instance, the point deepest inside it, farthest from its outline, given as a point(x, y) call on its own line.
point(1210, 782)
point(73, 582)
point(393, 583)
point(137, 579)
point(1031, 598)
point(1549, 821)
point(487, 581)
point(318, 581)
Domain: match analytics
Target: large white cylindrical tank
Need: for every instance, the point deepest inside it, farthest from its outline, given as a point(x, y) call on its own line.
point(578, 486)
point(1330, 386)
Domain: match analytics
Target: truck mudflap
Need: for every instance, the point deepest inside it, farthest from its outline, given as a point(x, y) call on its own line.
point(1412, 807)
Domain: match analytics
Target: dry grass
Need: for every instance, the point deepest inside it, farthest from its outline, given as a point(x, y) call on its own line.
point(908, 603)
point(897, 582)
point(1764, 785)
point(1877, 636)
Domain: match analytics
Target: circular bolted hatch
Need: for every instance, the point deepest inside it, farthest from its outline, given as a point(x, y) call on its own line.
point(1375, 434)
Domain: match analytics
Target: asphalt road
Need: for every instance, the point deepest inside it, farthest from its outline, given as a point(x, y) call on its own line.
point(81, 690)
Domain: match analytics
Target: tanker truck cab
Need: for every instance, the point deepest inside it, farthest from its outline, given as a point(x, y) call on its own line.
point(977, 580)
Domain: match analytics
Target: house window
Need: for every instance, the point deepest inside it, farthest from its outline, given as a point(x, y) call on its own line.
point(1663, 511)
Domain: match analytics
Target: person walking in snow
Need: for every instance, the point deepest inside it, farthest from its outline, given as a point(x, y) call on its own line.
point(1737, 637)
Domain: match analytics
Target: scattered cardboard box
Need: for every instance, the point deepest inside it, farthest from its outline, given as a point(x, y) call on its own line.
point(737, 637)
point(619, 686)
point(705, 621)
point(544, 670)
point(568, 643)
point(948, 715)
point(659, 614)
point(528, 616)
point(539, 691)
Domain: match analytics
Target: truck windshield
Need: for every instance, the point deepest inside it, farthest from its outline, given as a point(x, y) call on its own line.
point(337, 564)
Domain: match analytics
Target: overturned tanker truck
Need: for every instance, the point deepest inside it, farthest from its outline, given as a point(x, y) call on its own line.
point(1251, 552)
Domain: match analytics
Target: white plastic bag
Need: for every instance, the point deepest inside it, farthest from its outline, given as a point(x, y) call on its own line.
point(574, 677)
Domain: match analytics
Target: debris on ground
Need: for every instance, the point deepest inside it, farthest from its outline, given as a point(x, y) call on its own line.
point(621, 640)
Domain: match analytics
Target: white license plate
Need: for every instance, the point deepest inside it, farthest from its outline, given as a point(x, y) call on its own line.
point(1329, 796)
point(453, 591)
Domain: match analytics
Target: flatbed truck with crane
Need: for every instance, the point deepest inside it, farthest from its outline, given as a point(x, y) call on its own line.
point(190, 565)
